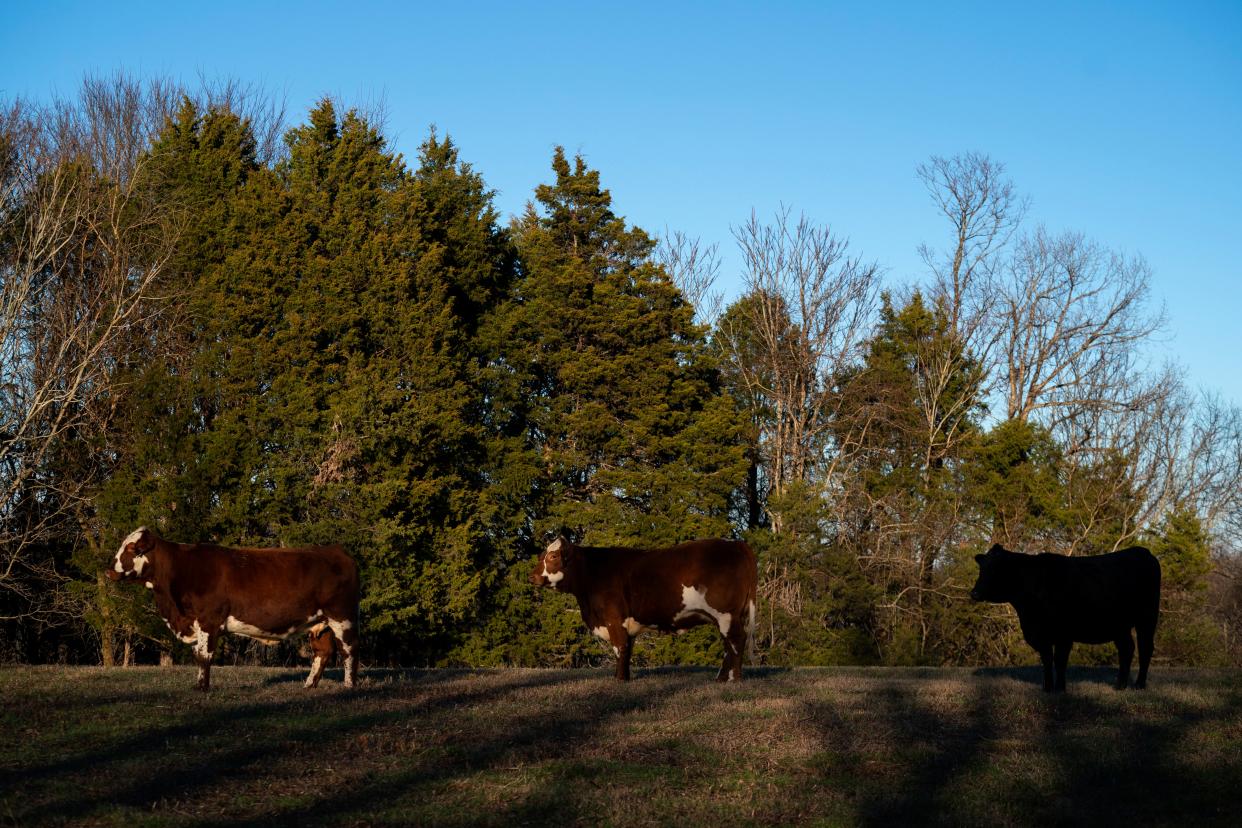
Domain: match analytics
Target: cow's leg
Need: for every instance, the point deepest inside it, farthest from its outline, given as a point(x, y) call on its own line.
point(1061, 652)
point(623, 646)
point(346, 633)
point(1125, 653)
point(204, 647)
point(1045, 656)
point(1146, 645)
point(734, 646)
point(322, 644)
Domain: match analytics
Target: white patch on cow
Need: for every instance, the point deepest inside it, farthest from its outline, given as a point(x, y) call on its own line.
point(197, 637)
point(310, 680)
point(238, 627)
point(632, 627)
point(150, 585)
point(732, 677)
point(132, 537)
point(694, 602)
point(553, 577)
point(616, 651)
point(338, 629)
point(602, 632)
point(555, 546)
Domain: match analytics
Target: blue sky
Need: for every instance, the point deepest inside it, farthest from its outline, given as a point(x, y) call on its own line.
point(1123, 121)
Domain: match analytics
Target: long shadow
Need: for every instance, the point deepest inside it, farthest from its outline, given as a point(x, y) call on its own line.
point(1141, 774)
point(163, 779)
point(528, 738)
point(1035, 675)
point(1109, 763)
point(929, 751)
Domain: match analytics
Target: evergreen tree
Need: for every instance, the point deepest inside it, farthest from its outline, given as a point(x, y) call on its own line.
point(636, 441)
point(627, 436)
point(1187, 633)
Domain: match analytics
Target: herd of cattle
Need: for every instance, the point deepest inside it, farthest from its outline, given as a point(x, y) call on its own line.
point(202, 590)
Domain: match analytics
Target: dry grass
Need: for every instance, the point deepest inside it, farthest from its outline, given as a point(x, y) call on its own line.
point(834, 746)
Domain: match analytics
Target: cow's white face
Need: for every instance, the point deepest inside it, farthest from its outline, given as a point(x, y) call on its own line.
point(550, 571)
point(131, 561)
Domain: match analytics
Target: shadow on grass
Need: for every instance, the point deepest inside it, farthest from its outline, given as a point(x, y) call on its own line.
point(1021, 757)
point(532, 738)
point(511, 747)
point(1035, 675)
point(173, 762)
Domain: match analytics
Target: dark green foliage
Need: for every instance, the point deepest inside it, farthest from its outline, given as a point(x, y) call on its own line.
point(1186, 634)
point(635, 442)
point(819, 607)
point(1014, 481)
point(346, 349)
point(626, 438)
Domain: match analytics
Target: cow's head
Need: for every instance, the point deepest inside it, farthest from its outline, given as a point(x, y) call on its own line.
point(555, 564)
point(995, 583)
point(132, 561)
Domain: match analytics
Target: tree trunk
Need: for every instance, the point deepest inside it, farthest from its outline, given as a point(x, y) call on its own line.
point(106, 627)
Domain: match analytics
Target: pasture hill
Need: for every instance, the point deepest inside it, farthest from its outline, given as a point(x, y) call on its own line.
point(835, 746)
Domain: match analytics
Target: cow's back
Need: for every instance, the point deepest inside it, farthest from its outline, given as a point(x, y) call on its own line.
point(1097, 598)
point(275, 587)
point(725, 571)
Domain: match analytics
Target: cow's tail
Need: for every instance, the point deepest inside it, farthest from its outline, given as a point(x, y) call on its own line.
point(750, 630)
point(752, 608)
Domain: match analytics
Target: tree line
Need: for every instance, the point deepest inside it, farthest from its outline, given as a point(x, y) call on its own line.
point(238, 332)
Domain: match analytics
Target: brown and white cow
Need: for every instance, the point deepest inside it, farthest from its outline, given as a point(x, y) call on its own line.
point(203, 590)
point(623, 591)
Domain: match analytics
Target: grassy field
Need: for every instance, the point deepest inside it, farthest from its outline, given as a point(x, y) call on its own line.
point(85, 746)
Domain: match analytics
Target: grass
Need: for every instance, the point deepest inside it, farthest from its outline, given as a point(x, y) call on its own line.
point(849, 746)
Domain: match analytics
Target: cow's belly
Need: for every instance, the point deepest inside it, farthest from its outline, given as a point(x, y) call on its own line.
point(1095, 631)
point(268, 633)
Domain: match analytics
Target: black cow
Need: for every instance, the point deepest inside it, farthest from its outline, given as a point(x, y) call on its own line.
point(1092, 599)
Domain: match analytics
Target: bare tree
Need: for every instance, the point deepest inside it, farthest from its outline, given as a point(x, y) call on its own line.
point(1072, 319)
point(693, 267)
point(84, 241)
point(984, 211)
point(805, 311)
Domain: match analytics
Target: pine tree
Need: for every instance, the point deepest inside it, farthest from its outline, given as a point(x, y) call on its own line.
point(637, 442)
point(626, 435)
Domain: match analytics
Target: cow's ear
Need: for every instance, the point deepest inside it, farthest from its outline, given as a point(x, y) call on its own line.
point(979, 559)
point(141, 539)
